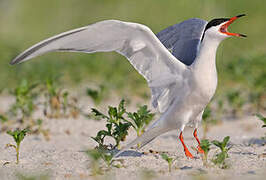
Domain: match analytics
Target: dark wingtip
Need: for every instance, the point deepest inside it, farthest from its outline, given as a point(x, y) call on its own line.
point(243, 35)
point(241, 15)
point(13, 62)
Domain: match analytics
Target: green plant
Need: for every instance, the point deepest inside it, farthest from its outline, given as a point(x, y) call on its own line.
point(65, 102)
point(95, 156)
point(236, 101)
point(169, 160)
point(263, 119)
point(24, 100)
point(207, 120)
point(3, 118)
point(117, 126)
point(205, 146)
point(97, 95)
point(221, 157)
point(101, 154)
point(258, 90)
point(18, 136)
point(220, 108)
point(57, 102)
point(147, 174)
point(33, 177)
point(141, 119)
point(40, 130)
point(52, 95)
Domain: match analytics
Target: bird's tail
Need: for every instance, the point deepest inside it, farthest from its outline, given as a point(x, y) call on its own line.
point(145, 138)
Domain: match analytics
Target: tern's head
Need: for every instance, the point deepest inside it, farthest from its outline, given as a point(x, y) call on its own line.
point(217, 28)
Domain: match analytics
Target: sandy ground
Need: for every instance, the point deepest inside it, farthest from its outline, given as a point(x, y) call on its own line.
point(63, 157)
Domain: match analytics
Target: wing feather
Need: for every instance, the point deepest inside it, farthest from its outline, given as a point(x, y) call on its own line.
point(183, 39)
point(135, 41)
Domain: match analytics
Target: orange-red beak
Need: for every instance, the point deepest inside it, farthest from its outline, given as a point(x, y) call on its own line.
point(223, 28)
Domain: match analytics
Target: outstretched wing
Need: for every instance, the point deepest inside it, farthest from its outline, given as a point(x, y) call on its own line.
point(135, 41)
point(183, 39)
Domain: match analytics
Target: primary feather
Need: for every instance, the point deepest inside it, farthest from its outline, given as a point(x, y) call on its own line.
point(135, 41)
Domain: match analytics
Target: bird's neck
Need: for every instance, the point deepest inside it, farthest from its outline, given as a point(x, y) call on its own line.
point(204, 68)
point(205, 60)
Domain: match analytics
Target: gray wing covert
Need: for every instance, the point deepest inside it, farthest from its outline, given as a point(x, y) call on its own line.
point(183, 39)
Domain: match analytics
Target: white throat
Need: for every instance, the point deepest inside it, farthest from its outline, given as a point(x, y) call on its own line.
point(207, 54)
point(204, 66)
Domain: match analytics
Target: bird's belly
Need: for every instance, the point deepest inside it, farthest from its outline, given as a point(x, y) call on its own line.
point(193, 101)
point(205, 87)
point(187, 110)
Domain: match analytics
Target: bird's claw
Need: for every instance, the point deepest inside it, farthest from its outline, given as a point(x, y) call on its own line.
point(188, 154)
point(200, 150)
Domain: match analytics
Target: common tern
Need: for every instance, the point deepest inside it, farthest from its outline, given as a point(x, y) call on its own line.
point(179, 65)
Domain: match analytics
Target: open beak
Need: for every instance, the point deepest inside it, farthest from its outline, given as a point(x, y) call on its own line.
point(223, 28)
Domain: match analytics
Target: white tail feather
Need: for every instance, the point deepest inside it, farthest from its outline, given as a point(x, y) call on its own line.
point(145, 138)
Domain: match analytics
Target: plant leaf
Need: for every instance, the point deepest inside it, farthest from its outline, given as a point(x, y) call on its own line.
point(121, 108)
point(98, 113)
point(217, 143)
point(94, 154)
point(225, 141)
point(18, 135)
point(220, 158)
point(3, 118)
point(205, 145)
point(261, 117)
point(164, 156)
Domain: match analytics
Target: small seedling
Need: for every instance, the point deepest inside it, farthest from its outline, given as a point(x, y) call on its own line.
point(101, 154)
point(220, 157)
point(97, 95)
point(147, 174)
point(3, 118)
point(207, 120)
point(141, 119)
point(95, 157)
point(236, 101)
point(169, 160)
point(263, 119)
point(45, 132)
point(53, 97)
point(117, 126)
point(25, 96)
point(107, 157)
point(258, 90)
point(205, 146)
point(18, 136)
point(65, 102)
point(33, 177)
point(220, 108)
point(58, 102)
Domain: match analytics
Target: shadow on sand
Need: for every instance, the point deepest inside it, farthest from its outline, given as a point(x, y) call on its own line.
point(130, 153)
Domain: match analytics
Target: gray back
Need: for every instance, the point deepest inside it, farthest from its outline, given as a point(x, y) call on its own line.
point(183, 39)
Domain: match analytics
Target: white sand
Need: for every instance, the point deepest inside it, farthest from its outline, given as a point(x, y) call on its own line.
point(63, 156)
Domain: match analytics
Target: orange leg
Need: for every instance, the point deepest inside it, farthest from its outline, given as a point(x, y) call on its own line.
point(187, 153)
point(199, 148)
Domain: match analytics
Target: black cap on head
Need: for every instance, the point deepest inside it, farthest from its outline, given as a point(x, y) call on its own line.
point(214, 22)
